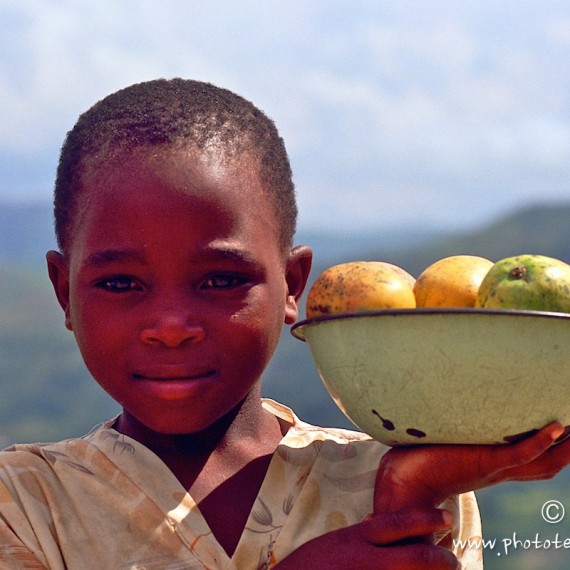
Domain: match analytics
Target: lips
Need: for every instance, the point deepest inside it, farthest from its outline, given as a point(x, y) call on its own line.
point(173, 372)
point(174, 384)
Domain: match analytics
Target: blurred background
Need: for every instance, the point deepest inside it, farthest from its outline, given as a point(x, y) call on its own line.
point(415, 130)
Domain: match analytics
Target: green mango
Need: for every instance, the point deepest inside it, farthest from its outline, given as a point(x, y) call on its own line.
point(526, 282)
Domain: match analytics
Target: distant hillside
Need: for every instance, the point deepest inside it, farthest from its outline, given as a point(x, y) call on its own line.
point(541, 229)
point(32, 334)
point(26, 233)
point(46, 391)
point(48, 394)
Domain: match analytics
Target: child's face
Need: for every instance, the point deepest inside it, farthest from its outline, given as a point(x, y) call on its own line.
point(175, 285)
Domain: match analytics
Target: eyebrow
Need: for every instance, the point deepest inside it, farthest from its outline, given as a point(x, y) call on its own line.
point(230, 253)
point(107, 256)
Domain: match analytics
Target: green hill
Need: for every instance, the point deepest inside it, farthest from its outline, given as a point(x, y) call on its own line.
point(541, 229)
point(46, 391)
point(48, 394)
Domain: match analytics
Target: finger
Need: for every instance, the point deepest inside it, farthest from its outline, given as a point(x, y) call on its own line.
point(406, 557)
point(419, 557)
point(550, 463)
point(507, 457)
point(387, 528)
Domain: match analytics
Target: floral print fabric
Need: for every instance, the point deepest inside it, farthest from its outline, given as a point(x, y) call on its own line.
point(106, 501)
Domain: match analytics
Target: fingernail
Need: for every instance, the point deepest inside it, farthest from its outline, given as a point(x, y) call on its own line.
point(557, 432)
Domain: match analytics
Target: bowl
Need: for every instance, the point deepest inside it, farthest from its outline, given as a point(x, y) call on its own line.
point(469, 376)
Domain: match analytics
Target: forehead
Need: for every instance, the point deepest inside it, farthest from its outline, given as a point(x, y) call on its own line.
point(173, 182)
point(183, 168)
point(206, 174)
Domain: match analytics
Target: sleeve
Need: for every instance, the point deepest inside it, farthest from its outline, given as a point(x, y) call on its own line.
point(465, 540)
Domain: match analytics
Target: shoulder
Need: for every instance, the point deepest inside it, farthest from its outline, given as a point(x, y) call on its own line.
point(313, 432)
point(25, 454)
point(47, 457)
point(340, 450)
point(27, 477)
point(331, 448)
point(32, 457)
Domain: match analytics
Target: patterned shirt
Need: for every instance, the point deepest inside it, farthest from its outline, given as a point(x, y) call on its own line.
point(106, 501)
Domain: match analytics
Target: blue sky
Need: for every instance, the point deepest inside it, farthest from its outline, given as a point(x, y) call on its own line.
point(442, 113)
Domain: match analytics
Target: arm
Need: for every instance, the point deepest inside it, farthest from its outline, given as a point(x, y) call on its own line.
point(427, 475)
point(384, 542)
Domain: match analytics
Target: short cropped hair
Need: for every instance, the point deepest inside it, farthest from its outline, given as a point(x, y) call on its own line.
point(175, 111)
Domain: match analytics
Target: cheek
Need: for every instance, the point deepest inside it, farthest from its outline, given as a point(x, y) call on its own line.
point(257, 332)
point(257, 320)
point(99, 335)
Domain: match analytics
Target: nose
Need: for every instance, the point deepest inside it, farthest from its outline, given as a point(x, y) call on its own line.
point(173, 329)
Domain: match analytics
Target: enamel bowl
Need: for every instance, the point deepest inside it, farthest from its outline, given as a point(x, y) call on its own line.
point(416, 376)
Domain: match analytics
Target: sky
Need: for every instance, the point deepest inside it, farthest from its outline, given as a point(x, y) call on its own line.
point(428, 113)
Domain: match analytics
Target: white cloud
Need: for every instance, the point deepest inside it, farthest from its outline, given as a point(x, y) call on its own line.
point(558, 29)
point(406, 102)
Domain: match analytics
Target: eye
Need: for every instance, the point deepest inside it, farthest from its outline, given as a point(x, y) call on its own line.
point(119, 284)
point(223, 282)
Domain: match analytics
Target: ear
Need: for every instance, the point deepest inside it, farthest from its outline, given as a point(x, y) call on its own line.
point(297, 274)
point(58, 271)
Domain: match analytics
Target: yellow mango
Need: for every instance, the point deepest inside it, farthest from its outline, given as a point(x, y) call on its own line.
point(360, 286)
point(451, 282)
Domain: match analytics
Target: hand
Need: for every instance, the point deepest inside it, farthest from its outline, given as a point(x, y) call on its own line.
point(427, 475)
point(381, 542)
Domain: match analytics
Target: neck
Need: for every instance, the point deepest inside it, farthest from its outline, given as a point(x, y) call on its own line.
point(205, 460)
point(248, 421)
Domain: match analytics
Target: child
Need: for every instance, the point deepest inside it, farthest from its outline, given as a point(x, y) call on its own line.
point(175, 215)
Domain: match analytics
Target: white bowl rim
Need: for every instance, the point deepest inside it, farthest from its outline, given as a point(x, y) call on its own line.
point(297, 330)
